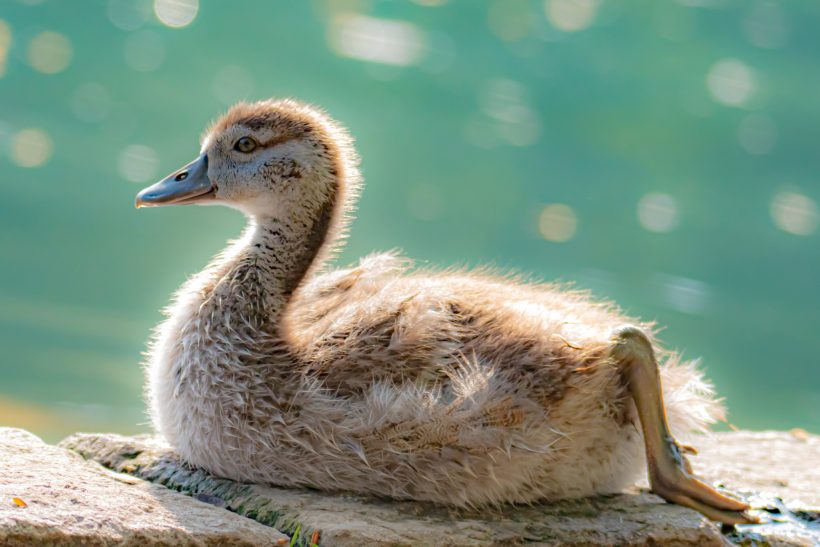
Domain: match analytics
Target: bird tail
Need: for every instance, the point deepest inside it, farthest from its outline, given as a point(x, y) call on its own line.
point(691, 403)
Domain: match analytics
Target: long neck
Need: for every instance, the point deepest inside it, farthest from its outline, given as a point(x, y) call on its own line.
point(287, 250)
point(259, 274)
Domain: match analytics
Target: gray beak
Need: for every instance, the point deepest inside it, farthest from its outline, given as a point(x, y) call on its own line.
point(188, 185)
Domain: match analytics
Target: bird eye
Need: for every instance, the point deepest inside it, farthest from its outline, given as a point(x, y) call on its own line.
point(246, 145)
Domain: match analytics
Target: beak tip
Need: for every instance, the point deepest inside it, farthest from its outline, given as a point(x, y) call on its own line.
point(182, 186)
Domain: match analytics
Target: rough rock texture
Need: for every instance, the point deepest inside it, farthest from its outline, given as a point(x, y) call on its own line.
point(782, 464)
point(51, 496)
point(779, 469)
point(779, 472)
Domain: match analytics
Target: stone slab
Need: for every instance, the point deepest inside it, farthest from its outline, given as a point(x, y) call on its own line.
point(62, 499)
point(778, 469)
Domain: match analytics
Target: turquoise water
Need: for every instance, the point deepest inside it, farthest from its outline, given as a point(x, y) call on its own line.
point(664, 155)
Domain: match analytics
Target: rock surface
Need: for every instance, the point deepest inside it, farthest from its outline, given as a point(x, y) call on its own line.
point(779, 471)
point(782, 464)
point(51, 496)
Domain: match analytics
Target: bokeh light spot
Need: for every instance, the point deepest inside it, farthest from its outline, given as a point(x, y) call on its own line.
point(522, 128)
point(144, 51)
point(129, 14)
point(441, 53)
point(49, 52)
point(176, 13)
point(557, 222)
point(5, 44)
point(731, 82)
point(508, 103)
point(571, 15)
point(91, 102)
point(387, 41)
point(138, 163)
point(31, 148)
point(765, 26)
point(757, 133)
point(794, 212)
point(232, 83)
point(498, 94)
point(684, 294)
point(658, 212)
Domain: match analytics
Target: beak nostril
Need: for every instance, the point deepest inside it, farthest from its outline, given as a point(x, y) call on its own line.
point(188, 184)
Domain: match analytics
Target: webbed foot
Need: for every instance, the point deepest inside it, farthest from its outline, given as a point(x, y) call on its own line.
point(671, 477)
point(670, 473)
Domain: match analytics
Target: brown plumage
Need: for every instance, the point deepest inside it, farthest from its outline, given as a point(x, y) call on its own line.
point(459, 387)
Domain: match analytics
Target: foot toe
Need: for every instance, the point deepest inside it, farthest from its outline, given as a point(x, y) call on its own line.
point(702, 492)
point(719, 515)
point(687, 449)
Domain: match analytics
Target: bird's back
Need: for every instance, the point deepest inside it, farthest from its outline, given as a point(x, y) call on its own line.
point(380, 322)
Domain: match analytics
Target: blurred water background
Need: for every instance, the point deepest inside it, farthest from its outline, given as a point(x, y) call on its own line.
point(663, 154)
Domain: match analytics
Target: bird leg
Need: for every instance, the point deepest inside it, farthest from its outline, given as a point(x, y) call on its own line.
point(670, 473)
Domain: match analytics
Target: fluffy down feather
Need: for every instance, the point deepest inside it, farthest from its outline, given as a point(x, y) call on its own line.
point(454, 387)
point(460, 387)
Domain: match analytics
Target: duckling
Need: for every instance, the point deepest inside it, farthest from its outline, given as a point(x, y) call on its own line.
point(457, 387)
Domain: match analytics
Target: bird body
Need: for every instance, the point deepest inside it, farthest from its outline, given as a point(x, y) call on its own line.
point(460, 387)
point(491, 390)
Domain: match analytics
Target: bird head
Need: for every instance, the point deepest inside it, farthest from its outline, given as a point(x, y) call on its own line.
point(273, 159)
